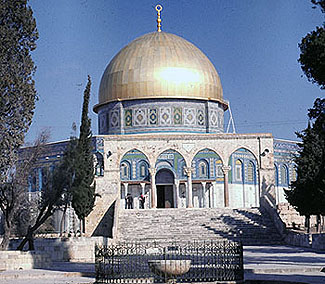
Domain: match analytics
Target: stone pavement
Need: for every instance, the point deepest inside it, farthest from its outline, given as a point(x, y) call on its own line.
point(284, 264)
point(273, 264)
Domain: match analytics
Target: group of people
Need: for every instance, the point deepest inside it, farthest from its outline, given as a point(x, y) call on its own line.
point(129, 201)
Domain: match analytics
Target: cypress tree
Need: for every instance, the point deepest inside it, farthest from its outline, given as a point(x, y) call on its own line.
point(18, 35)
point(307, 193)
point(83, 187)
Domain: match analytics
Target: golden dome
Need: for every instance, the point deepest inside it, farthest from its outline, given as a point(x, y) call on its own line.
point(160, 65)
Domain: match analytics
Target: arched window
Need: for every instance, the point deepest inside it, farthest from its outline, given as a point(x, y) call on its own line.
point(219, 168)
point(238, 170)
point(284, 175)
point(203, 169)
point(143, 170)
point(293, 174)
point(250, 172)
point(125, 170)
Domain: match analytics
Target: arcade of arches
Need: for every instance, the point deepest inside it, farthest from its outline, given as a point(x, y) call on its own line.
point(206, 183)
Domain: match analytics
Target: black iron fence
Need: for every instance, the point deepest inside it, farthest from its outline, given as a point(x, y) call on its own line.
point(156, 263)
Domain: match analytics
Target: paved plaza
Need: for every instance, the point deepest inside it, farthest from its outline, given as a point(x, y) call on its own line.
point(270, 263)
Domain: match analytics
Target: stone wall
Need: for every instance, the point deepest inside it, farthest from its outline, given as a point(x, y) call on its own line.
point(18, 260)
point(314, 241)
point(292, 218)
point(75, 249)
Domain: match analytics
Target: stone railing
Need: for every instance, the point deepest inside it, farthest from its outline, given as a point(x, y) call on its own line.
point(271, 209)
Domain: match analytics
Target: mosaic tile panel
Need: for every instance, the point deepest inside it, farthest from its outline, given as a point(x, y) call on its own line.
point(140, 117)
point(220, 118)
point(153, 116)
point(102, 120)
point(213, 117)
point(178, 116)
point(115, 121)
point(128, 117)
point(189, 116)
point(200, 117)
point(165, 115)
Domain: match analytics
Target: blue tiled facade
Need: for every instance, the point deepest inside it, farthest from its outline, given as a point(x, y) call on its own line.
point(284, 167)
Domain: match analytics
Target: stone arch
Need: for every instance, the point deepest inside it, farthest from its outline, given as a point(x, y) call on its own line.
point(243, 184)
point(186, 156)
point(134, 159)
point(172, 160)
point(245, 156)
point(213, 163)
point(248, 149)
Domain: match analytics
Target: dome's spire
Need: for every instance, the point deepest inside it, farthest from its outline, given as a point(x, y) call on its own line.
point(158, 9)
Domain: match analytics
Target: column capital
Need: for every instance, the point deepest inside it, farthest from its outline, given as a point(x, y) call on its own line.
point(226, 169)
point(203, 183)
point(188, 171)
point(152, 171)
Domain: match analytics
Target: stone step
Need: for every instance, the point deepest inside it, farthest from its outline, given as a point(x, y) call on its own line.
point(248, 225)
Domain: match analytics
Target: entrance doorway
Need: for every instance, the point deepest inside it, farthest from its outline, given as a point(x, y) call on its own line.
point(165, 197)
point(165, 188)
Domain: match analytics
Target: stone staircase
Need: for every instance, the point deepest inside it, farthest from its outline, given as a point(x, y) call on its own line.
point(250, 226)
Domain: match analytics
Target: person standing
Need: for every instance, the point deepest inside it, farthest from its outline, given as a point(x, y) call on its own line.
point(129, 200)
point(142, 200)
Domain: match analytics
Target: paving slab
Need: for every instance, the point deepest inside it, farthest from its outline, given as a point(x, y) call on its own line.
point(284, 264)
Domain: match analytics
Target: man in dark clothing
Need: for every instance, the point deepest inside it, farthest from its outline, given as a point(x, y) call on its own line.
point(129, 201)
point(142, 200)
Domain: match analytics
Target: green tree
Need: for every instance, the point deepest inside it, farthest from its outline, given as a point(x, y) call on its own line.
point(320, 3)
point(56, 184)
point(83, 187)
point(312, 56)
point(307, 193)
point(18, 35)
point(67, 178)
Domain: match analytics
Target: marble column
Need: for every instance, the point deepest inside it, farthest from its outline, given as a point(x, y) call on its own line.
point(225, 170)
point(213, 190)
point(178, 198)
point(126, 186)
point(188, 172)
point(153, 192)
point(142, 187)
point(204, 195)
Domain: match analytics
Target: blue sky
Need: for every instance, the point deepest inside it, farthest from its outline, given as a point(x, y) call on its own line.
point(252, 43)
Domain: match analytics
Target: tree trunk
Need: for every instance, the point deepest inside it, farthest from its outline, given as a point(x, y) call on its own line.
point(29, 236)
point(63, 221)
point(83, 226)
point(307, 223)
point(318, 223)
point(6, 237)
